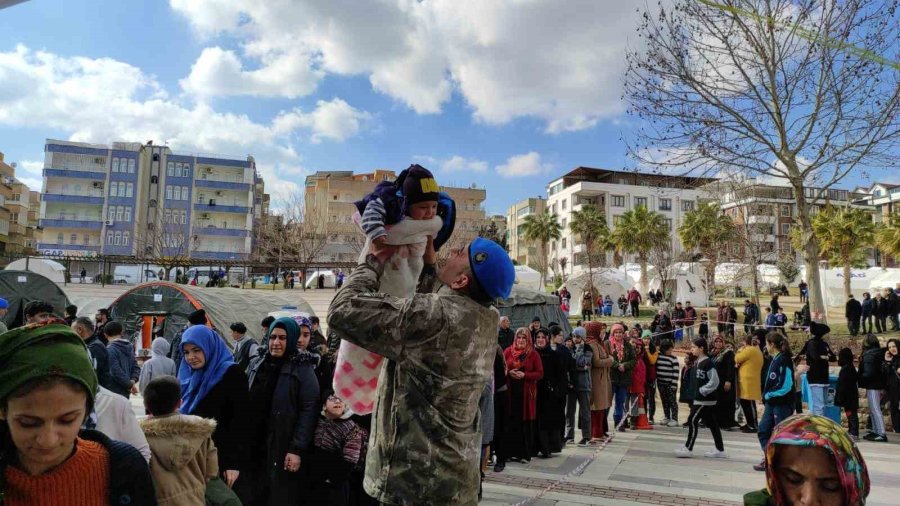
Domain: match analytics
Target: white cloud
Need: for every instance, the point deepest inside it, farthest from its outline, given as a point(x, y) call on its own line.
point(103, 100)
point(560, 62)
point(457, 163)
point(529, 164)
point(31, 172)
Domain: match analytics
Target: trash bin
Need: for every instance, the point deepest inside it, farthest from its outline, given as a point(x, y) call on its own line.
point(831, 411)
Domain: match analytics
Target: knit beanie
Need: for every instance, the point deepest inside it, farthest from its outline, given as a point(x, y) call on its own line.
point(419, 186)
point(198, 317)
point(36, 351)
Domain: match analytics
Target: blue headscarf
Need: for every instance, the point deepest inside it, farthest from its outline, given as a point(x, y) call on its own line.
point(293, 333)
point(195, 384)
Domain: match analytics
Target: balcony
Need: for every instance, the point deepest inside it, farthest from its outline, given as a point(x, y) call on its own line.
point(216, 208)
point(762, 237)
point(72, 224)
point(223, 184)
point(95, 198)
point(753, 220)
point(227, 232)
point(80, 174)
point(219, 255)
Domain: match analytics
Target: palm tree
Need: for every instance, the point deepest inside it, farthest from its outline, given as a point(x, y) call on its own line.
point(563, 262)
point(706, 229)
point(844, 234)
point(589, 225)
point(638, 232)
point(542, 228)
point(888, 237)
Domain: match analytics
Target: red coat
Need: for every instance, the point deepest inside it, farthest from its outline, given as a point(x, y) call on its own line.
point(639, 376)
point(534, 371)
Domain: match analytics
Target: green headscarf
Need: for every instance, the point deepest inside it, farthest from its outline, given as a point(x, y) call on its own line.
point(35, 351)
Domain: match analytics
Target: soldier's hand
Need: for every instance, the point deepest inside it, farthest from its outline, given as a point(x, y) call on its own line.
point(383, 252)
point(430, 257)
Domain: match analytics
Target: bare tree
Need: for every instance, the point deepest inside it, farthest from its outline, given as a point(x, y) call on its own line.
point(662, 256)
point(295, 237)
point(800, 90)
point(166, 240)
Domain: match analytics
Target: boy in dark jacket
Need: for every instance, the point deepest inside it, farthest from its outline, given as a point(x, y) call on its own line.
point(847, 393)
point(817, 353)
point(124, 370)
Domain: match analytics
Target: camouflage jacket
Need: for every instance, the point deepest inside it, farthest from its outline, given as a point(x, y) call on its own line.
point(426, 428)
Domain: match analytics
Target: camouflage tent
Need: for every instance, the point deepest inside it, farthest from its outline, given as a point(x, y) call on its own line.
point(21, 287)
point(524, 304)
point(171, 304)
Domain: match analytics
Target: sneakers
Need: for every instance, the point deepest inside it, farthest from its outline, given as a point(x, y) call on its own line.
point(584, 442)
point(683, 453)
point(665, 422)
point(875, 438)
point(499, 466)
point(673, 423)
point(715, 454)
point(746, 429)
point(761, 466)
point(652, 422)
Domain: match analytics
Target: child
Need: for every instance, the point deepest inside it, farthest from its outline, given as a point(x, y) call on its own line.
point(688, 379)
point(405, 212)
point(338, 448)
point(184, 455)
point(704, 404)
point(667, 382)
point(159, 365)
point(847, 393)
point(704, 326)
point(638, 389)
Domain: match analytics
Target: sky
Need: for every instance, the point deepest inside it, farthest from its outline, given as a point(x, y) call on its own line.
point(507, 95)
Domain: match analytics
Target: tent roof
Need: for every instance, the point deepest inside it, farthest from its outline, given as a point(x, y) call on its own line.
point(521, 295)
point(52, 270)
point(525, 304)
point(22, 287)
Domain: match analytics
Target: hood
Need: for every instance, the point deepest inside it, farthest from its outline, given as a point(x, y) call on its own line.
point(812, 430)
point(160, 347)
point(176, 439)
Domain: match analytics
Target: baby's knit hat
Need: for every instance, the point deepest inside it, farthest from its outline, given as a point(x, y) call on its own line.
point(419, 185)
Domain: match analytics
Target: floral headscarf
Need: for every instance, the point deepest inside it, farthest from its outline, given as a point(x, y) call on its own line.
point(520, 355)
point(812, 430)
point(617, 343)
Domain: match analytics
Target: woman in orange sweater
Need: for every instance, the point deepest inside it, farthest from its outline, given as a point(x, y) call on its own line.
point(47, 387)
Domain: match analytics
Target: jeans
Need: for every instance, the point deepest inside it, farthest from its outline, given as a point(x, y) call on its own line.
point(620, 395)
point(773, 414)
point(584, 414)
point(571, 404)
point(689, 332)
point(867, 323)
point(817, 399)
point(874, 398)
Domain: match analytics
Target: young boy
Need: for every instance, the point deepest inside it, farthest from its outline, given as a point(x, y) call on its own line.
point(704, 403)
point(667, 382)
point(338, 446)
point(184, 456)
point(847, 393)
point(124, 370)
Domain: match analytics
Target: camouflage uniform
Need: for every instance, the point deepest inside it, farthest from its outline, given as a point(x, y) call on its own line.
point(426, 428)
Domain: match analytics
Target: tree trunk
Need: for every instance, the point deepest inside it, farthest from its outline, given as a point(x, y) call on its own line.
point(811, 256)
point(645, 283)
point(543, 264)
point(590, 275)
point(710, 278)
point(846, 282)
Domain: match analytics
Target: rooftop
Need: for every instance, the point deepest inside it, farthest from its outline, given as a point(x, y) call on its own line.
point(631, 178)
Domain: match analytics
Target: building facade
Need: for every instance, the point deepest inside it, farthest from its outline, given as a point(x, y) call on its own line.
point(614, 193)
point(19, 207)
point(143, 200)
point(885, 201)
point(329, 197)
point(521, 250)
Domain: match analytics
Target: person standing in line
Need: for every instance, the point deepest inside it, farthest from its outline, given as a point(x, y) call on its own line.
point(690, 318)
point(637, 391)
point(891, 370)
point(704, 404)
point(71, 312)
point(723, 358)
point(846, 396)
point(123, 367)
point(505, 334)
point(584, 357)
point(853, 311)
point(871, 377)
point(83, 327)
point(601, 384)
point(868, 310)
point(778, 390)
point(667, 382)
point(623, 356)
point(749, 362)
point(818, 354)
point(524, 369)
point(245, 347)
point(651, 354)
point(880, 312)
point(548, 387)
point(159, 365)
point(567, 382)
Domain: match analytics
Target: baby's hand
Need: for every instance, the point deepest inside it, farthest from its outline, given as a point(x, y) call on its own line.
point(380, 240)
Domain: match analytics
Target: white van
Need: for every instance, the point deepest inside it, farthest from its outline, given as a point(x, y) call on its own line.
point(205, 272)
point(131, 274)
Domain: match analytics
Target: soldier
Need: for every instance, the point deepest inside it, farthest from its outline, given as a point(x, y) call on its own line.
point(426, 427)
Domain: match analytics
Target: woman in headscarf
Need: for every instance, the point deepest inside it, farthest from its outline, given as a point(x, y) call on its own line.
point(601, 387)
point(47, 389)
point(214, 386)
point(622, 353)
point(812, 460)
point(726, 400)
point(524, 369)
point(284, 396)
point(549, 430)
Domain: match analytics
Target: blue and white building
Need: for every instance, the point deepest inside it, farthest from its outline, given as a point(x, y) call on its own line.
point(136, 199)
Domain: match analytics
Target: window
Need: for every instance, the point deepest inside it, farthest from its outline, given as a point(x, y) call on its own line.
point(687, 205)
point(564, 243)
point(121, 192)
point(186, 170)
point(128, 214)
point(183, 217)
point(785, 210)
point(184, 193)
point(73, 239)
point(178, 169)
point(109, 238)
point(119, 211)
point(118, 241)
point(665, 204)
point(59, 238)
point(86, 240)
point(170, 169)
point(785, 229)
point(177, 193)
point(168, 192)
point(563, 223)
point(553, 209)
point(115, 165)
point(130, 192)
point(167, 216)
point(640, 201)
point(563, 205)
point(126, 236)
point(131, 166)
point(618, 201)
point(668, 223)
point(112, 189)
point(111, 213)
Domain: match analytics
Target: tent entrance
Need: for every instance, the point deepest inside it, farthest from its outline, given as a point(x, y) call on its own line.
point(153, 325)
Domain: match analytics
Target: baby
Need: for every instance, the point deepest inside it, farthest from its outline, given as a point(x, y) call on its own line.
point(403, 213)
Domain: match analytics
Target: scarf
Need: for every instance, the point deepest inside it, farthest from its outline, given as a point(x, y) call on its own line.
point(196, 384)
point(519, 356)
point(617, 344)
point(291, 326)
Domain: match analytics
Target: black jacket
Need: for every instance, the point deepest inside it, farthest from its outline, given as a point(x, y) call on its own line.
point(853, 310)
point(548, 388)
point(813, 350)
point(505, 337)
point(871, 376)
point(101, 361)
point(227, 403)
point(751, 313)
point(847, 393)
point(881, 307)
point(892, 378)
point(708, 383)
point(567, 360)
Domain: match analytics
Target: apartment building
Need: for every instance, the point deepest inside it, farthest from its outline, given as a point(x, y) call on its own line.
point(524, 252)
point(18, 212)
point(330, 195)
point(769, 211)
point(885, 200)
point(133, 199)
point(614, 193)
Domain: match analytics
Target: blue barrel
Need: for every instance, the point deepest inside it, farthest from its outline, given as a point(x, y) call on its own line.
point(831, 411)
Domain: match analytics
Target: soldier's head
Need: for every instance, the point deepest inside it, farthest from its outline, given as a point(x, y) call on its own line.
point(482, 270)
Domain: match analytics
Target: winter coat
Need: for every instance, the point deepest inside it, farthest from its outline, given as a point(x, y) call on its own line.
point(100, 355)
point(813, 350)
point(751, 313)
point(688, 385)
point(116, 420)
point(548, 388)
point(567, 363)
point(184, 457)
point(868, 307)
point(690, 316)
point(534, 371)
point(158, 365)
point(846, 395)
point(871, 376)
point(123, 367)
point(584, 356)
point(853, 310)
point(892, 378)
point(227, 403)
point(622, 378)
point(601, 380)
point(505, 338)
point(750, 362)
point(708, 383)
point(639, 375)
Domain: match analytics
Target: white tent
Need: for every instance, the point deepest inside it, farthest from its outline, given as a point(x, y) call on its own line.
point(685, 286)
point(733, 274)
point(833, 284)
point(769, 275)
point(312, 280)
point(50, 269)
point(633, 271)
point(884, 278)
point(526, 277)
point(612, 282)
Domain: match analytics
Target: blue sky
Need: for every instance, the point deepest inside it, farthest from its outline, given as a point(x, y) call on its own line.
point(504, 96)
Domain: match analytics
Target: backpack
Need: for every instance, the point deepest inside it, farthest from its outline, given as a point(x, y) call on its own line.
point(447, 212)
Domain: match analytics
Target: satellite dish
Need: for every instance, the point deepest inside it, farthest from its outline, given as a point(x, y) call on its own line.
point(14, 165)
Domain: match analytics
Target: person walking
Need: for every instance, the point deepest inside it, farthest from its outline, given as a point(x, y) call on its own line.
point(749, 362)
point(703, 405)
point(634, 301)
point(853, 311)
point(778, 390)
point(601, 381)
point(868, 310)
